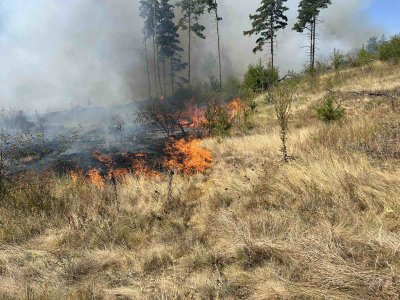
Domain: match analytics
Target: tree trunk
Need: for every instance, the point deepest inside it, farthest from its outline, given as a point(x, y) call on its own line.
point(284, 147)
point(156, 53)
point(314, 40)
point(272, 41)
point(159, 73)
point(219, 45)
point(147, 67)
point(189, 47)
point(163, 62)
point(155, 63)
point(311, 46)
point(172, 78)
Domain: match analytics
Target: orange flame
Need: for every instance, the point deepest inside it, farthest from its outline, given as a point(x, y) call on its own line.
point(104, 159)
point(95, 178)
point(74, 175)
point(141, 169)
point(188, 157)
point(194, 116)
point(235, 107)
point(118, 174)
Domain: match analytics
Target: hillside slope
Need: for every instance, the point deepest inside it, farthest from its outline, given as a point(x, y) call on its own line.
point(324, 226)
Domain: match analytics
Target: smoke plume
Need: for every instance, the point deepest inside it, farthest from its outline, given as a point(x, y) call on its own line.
point(57, 54)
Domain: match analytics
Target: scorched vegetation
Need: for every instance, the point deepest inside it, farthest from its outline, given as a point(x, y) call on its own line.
point(225, 217)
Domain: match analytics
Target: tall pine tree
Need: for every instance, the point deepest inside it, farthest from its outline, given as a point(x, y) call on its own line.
point(168, 41)
point(145, 13)
point(307, 19)
point(270, 18)
point(191, 11)
point(212, 6)
point(149, 12)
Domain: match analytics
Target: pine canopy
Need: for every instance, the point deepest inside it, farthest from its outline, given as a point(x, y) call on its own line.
point(308, 10)
point(269, 18)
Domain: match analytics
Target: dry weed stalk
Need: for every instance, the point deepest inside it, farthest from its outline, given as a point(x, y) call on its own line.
point(282, 97)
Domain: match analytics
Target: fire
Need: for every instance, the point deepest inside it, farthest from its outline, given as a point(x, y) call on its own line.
point(104, 159)
point(198, 118)
point(194, 116)
point(141, 169)
point(235, 107)
point(95, 178)
point(139, 165)
point(76, 176)
point(188, 157)
point(118, 174)
point(73, 175)
point(130, 156)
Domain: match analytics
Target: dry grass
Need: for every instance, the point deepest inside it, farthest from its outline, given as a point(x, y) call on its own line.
point(324, 226)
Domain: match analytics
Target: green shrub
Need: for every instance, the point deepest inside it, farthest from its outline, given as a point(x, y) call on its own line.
point(321, 66)
point(337, 59)
point(258, 78)
point(330, 112)
point(363, 58)
point(232, 89)
point(253, 106)
point(390, 50)
point(218, 120)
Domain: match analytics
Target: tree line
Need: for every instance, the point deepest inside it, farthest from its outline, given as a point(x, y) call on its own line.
point(270, 17)
point(162, 29)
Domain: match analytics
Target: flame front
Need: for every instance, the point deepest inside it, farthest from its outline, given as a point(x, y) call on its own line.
point(95, 178)
point(188, 157)
point(194, 116)
point(104, 159)
point(141, 169)
point(235, 107)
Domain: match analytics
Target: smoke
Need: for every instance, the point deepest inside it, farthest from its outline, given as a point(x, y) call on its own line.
point(57, 54)
point(344, 25)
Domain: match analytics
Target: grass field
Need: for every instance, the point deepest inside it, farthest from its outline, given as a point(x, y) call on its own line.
point(324, 226)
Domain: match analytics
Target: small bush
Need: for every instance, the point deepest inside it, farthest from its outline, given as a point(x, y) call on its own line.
point(390, 50)
point(337, 59)
point(321, 66)
point(218, 120)
point(258, 78)
point(363, 58)
point(330, 112)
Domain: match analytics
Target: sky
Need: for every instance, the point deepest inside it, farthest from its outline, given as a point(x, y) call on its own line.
point(386, 13)
point(56, 54)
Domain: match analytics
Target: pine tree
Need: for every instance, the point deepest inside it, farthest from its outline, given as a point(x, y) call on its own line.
point(191, 11)
point(307, 19)
point(145, 13)
point(270, 18)
point(176, 65)
point(149, 10)
point(212, 6)
point(168, 41)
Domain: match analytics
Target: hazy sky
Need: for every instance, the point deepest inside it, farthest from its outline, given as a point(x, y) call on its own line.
point(58, 53)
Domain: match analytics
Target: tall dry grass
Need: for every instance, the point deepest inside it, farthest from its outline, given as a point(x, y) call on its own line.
point(324, 226)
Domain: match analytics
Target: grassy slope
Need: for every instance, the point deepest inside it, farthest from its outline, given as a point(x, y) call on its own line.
point(325, 226)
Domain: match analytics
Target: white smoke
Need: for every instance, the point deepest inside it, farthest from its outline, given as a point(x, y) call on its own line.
point(55, 54)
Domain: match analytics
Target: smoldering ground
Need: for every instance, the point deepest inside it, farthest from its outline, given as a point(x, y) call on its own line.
point(57, 54)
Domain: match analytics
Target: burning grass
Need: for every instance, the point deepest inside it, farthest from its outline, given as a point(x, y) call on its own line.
point(187, 157)
point(243, 225)
point(184, 156)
